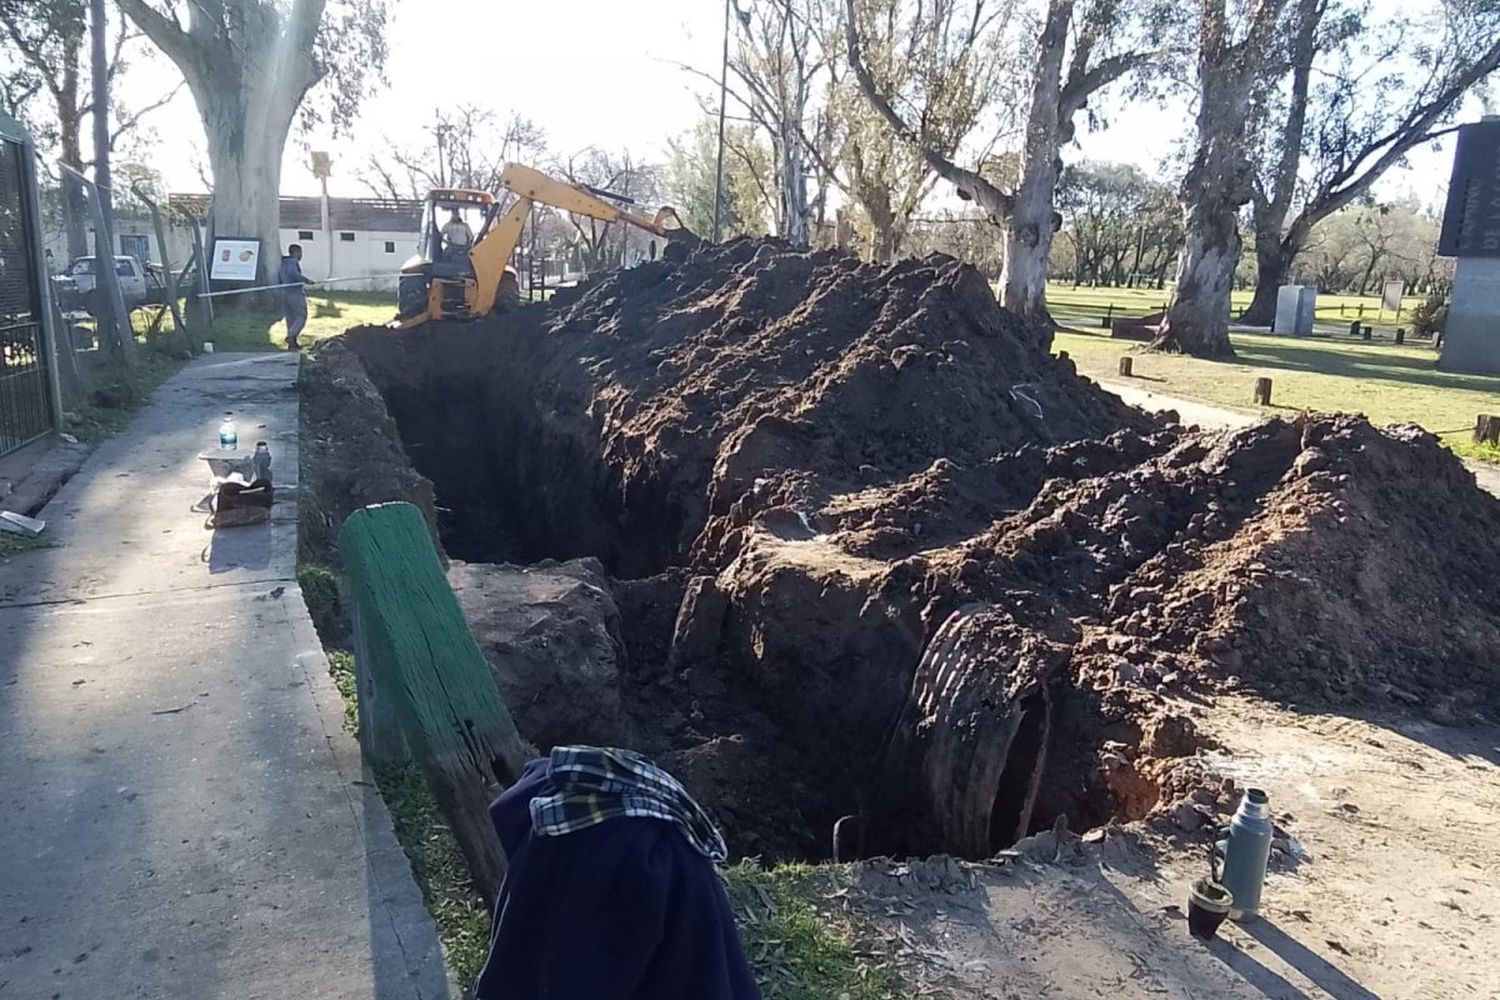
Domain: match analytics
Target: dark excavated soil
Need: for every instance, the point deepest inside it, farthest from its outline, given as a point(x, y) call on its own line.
point(792, 468)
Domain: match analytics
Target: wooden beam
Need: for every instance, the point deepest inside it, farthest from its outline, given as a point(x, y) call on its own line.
point(415, 654)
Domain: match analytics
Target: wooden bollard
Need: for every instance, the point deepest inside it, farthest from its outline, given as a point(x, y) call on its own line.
point(1367, 332)
point(1062, 355)
point(1263, 392)
point(1400, 335)
point(1487, 429)
point(1125, 363)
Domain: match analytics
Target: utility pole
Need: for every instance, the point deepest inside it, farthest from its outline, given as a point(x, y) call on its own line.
point(723, 95)
point(106, 282)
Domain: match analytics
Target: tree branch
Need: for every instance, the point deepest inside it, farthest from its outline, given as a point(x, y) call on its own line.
point(972, 187)
point(163, 31)
point(1081, 86)
point(128, 121)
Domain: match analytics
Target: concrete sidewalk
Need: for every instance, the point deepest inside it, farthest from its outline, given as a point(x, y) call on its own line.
point(181, 813)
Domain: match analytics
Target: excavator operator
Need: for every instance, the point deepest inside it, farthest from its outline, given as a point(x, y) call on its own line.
point(458, 238)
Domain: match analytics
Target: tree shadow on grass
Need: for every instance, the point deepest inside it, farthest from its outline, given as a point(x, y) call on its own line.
point(1390, 368)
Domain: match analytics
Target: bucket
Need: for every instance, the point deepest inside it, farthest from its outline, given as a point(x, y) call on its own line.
point(1208, 905)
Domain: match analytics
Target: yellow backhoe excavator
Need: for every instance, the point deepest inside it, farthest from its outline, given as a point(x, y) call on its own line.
point(458, 274)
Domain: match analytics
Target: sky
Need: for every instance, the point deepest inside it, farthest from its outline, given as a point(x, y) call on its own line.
point(596, 73)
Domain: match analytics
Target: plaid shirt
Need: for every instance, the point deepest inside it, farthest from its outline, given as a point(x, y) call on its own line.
point(595, 784)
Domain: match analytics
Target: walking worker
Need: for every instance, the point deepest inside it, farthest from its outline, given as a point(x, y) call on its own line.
point(294, 298)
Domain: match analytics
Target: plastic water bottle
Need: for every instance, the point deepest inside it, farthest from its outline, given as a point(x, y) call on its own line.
point(1246, 854)
point(229, 435)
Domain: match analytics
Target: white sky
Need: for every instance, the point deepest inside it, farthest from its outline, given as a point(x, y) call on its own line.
point(592, 72)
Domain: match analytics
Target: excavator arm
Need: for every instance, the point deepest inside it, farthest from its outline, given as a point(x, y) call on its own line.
point(493, 250)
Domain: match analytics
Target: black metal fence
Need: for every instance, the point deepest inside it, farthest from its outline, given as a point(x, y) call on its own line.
point(25, 386)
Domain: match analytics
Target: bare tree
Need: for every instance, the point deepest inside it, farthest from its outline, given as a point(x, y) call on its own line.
point(1380, 97)
point(469, 147)
point(885, 176)
point(1066, 76)
point(777, 57)
point(689, 181)
point(600, 243)
point(45, 39)
point(250, 65)
point(1219, 181)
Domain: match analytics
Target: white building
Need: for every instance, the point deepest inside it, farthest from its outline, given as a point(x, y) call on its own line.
point(364, 238)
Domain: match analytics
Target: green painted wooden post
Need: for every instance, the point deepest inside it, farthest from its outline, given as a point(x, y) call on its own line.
point(419, 659)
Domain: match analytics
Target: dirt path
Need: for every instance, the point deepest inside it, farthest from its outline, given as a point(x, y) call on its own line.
point(1398, 818)
point(1393, 899)
point(1486, 474)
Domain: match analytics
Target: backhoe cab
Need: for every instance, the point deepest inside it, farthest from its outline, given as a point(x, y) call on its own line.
point(447, 280)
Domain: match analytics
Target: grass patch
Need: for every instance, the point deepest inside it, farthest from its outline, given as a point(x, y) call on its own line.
point(263, 328)
point(11, 544)
point(260, 325)
point(438, 865)
point(796, 952)
point(320, 592)
point(1086, 306)
point(1388, 384)
point(341, 669)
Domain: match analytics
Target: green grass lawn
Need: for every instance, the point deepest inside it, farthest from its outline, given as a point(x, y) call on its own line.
point(1084, 307)
point(1388, 384)
point(242, 327)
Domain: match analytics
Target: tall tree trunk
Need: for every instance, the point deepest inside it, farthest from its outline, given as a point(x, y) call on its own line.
point(1273, 255)
point(1218, 182)
point(794, 210)
point(1198, 318)
point(245, 143)
point(248, 82)
point(1273, 262)
point(1029, 231)
point(75, 209)
point(884, 238)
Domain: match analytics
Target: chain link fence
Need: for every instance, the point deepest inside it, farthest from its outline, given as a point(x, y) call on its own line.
point(25, 386)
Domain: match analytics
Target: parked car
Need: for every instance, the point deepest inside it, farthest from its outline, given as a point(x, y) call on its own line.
point(76, 285)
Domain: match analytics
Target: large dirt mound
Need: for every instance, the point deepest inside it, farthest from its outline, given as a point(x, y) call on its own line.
point(653, 399)
point(872, 552)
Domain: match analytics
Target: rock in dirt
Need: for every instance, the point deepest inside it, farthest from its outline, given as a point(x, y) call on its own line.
point(551, 633)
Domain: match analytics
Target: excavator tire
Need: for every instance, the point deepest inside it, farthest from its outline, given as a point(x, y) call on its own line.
point(508, 294)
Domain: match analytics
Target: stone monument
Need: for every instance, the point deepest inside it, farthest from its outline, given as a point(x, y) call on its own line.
point(1471, 233)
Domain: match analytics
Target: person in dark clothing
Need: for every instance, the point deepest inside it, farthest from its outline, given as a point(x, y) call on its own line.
point(612, 893)
point(294, 298)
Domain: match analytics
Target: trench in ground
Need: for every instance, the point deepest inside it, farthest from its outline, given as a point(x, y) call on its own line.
point(512, 488)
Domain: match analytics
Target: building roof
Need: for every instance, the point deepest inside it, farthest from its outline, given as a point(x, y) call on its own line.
point(391, 215)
